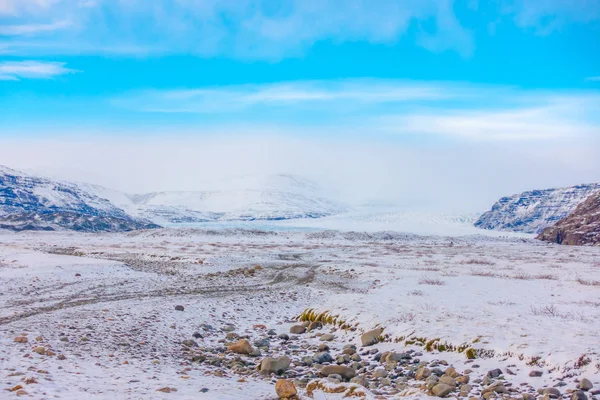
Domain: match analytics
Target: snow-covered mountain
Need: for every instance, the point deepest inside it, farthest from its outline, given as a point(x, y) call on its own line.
point(29, 202)
point(532, 211)
point(253, 197)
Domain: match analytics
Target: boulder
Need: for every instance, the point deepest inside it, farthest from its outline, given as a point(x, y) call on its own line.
point(297, 329)
point(285, 389)
point(345, 372)
point(241, 347)
point(371, 337)
point(274, 365)
point(442, 390)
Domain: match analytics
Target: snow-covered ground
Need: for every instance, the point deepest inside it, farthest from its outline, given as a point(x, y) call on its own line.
point(106, 304)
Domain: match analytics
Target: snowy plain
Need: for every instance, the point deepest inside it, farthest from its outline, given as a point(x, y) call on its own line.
point(518, 302)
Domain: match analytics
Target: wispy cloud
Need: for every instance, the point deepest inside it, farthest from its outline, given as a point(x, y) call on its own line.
point(17, 70)
point(458, 110)
point(32, 29)
point(251, 29)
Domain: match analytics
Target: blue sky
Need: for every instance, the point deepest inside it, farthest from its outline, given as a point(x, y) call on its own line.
point(429, 74)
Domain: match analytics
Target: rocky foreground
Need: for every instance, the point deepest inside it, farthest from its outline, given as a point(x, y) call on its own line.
point(254, 315)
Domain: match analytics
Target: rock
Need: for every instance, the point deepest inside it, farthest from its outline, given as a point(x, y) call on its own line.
point(322, 357)
point(178, 308)
point(167, 390)
point(553, 392)
point(284, 337)
point(39, 350)
point(232, 336)
point(189, 343)
point(61, 357)
point(228, 328)
point(349, 350)
point(285, 389)
point(271, 332)
point(422, 374)
point(323, 347)
point(255, 353)
point(462, 379)
point(297, 329)
point(442, 390)
point(536, 374)
point(494, 373)
point(275, 365)
point(447, 380)
point(371, 337)
point(359, 380)
point(528, 396)
point(197, 335)
point(579, 395)
point(262, 343)
point(345, 372)
point(314, 325)
point(328, 337)
point(20, 339)
point(380, 373)
point(585, 384)
point(451, 372)
point(241, 347)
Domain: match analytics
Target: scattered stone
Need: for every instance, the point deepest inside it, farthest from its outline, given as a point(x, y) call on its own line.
point(422, 374)
point(275, 365)
point(262, 343)
point(177, 308)
point(328, 337)
point(232, 336)
point(585, 384)
point(285, 389)
point(39, 350)
point(61, 357)
point(21, 339)
point(322, 357)
point(284, 337)
point(189, 343)
point(345, 372)
point(494, 373)
point(371, 337)
point(552, 392)
point(579, 395)
point(197, 335)
point(297, 329)
point(448, 381)
point(241, 347)
point(442, 390)
point(536, 374)
point(323, 347)
point(314, 325)
point(167, 390)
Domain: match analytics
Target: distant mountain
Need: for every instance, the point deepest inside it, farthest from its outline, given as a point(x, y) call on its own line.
point(581, 227)
point(252, 197)
point(28, 202)
point(531, 212)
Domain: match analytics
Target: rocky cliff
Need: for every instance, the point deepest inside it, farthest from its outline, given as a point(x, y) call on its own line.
point(581, 227)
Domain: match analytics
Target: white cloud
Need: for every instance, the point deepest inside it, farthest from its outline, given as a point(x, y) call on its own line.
point(252, 29)
point(546, 16)
point(16, 70)
point(32, 29)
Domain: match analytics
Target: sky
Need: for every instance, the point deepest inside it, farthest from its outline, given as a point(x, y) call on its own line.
point(438, 105)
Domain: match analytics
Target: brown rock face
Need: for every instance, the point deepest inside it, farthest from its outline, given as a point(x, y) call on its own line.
point(579, 228)
point(285, 389)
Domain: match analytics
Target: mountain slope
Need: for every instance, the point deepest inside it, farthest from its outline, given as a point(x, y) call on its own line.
point(581, 227)
point(28, 202)
point(532, 211)
point(253, 197)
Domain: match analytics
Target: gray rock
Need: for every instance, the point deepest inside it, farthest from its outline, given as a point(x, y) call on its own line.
point(275, 365)
point(197, 335)
point(179, 308)
point(536, 373)
point(189, 343)
point(346, 372)
point(494, 373)
point(380, 373)
point(447, 380)
point(585, 384)
point(579, 395)
point(323, 347)
point(441, 390)
point(297, 329)
point(262, 343)
point(328, 337)
point(322, 357)
point(552, 392)
point(284, 337)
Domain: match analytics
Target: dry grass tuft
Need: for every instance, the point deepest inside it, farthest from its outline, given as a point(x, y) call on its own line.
point(431, 281)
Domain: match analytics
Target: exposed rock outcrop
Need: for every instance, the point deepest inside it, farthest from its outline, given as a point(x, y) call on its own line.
point(581, 227)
